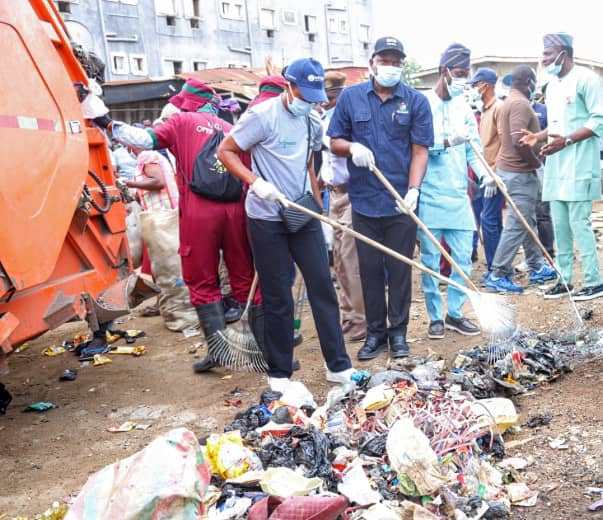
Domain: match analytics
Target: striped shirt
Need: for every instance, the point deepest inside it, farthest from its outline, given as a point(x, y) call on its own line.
point(167, 197)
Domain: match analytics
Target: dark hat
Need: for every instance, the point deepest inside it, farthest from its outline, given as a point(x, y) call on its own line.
point(559, 39)
point(334, 80)
point(270, 86)
point(507, 80)
point(193, 95)
point(522, 74)
point(309, 76)
point(456, 55)
point(388, 43)
point(484, 74)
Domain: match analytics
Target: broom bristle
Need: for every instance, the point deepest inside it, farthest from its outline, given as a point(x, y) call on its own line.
point(494, 312)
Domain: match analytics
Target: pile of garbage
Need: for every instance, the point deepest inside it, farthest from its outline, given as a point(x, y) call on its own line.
point(418, 441)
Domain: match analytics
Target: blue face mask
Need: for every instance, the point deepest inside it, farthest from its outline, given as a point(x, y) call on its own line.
point(388, 76)
point(554, 68)
point(298, 107)
point(456, 86)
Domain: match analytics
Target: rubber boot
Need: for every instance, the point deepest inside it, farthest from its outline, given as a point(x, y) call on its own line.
point(211, 318)
point(256, 322)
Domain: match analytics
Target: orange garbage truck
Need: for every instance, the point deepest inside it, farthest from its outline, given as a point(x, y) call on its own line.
point(64, 254)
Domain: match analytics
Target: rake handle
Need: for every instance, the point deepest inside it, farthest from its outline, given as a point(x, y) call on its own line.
point(503, 189)
point(252, 289)
point(373, 243)
point(423, 227)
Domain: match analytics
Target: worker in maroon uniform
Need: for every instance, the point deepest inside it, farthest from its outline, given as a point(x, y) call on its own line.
point(206, 226)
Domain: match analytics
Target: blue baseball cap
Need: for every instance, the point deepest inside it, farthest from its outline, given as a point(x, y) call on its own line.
point(309, 76)
point(484, 74)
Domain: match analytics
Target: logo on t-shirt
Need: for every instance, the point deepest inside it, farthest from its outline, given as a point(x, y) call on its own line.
point(287, 144)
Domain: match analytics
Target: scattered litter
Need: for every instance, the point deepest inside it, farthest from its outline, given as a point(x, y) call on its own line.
point(227, 376)
point(123, 427)
point(54, 350)
point(134, 351)
point(284, 482)
point(68, 375)
point(228, 457)
point(234, 404)
point(520, 494)
point(39, 407)
point(101, 359)
point(540, 420)
point(191, 332)
point(23, 346)
point(560, 443)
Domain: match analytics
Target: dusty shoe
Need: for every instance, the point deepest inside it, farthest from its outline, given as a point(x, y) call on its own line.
point(372, 347)
point(558, 291)
point(436, 330)
point(298, 339)
point(203, 365)
point(462, 326)
point(588, 293)
point(398, 347)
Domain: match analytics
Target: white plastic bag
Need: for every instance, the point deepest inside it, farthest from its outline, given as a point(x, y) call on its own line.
point(134, 233)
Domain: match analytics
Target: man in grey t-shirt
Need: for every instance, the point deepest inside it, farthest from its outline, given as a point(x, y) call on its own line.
point(282, 134)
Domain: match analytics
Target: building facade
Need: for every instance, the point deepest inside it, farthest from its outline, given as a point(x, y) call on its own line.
point(161, 38)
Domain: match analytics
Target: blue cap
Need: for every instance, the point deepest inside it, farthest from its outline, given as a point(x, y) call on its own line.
point(309, 76)
point(507, 80)
point(484, 74)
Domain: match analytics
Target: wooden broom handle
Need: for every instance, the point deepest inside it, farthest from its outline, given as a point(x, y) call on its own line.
point(424, 228)
point(503, 189)
point(372, 243)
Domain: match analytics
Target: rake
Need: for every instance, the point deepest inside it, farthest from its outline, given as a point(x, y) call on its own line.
point(494, 313)
point(503, 189)
point(398, 198)
point(236, 347)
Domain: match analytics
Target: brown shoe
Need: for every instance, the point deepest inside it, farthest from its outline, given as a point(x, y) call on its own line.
point(346, 326)
point(357, 332)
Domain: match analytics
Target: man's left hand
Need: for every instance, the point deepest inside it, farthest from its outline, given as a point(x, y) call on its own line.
point(410, 200)
point(555, 143)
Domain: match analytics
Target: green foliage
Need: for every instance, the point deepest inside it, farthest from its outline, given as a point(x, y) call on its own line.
point(409, 67)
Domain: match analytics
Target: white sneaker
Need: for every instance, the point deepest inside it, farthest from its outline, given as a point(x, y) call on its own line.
point(279, 384)
point(523, 267)
point(343, 377)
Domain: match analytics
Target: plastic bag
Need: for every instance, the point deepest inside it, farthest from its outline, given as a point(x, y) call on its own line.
point(372, 444)
point(160, 235)
point(300, 508)
point(166, 480)
point(284, 482)
point(501, 409)
point(312, 450)
point(356, 486)
point(227, 456)
point(134, 233)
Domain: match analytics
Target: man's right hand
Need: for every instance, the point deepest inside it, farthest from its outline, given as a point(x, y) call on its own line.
point(490, 188)
point(362, 156)
point(265, 190)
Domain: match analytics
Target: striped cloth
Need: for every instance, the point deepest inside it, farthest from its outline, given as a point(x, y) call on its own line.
point(166, 198)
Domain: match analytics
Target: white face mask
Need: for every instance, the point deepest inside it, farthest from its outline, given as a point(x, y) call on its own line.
point(388, 76)
point(456, 86)
point(554, 68)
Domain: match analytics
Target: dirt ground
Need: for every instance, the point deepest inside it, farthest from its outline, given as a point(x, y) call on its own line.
point(48, 456)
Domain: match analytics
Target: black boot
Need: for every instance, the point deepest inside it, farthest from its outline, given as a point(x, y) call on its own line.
point(211, 318)
point(256, 322)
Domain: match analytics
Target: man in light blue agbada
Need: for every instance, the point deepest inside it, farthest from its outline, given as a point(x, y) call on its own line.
point(572, 175)
point(444, 206)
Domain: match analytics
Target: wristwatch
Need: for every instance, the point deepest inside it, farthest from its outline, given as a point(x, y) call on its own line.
point(569, 141)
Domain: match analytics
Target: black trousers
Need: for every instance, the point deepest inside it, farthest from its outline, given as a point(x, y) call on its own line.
point(272, 248)
point(378, 269)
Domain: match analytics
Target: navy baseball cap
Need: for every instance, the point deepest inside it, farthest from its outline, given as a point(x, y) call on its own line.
point(388, 43)
point(309, 76)
point(484, 74)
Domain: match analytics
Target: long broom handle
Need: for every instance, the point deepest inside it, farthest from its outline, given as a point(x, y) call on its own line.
point(373, 243)
point(423, 227)
point(503, 189)
point(252, 289)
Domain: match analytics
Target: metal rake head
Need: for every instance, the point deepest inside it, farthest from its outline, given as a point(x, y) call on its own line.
point(236, 350)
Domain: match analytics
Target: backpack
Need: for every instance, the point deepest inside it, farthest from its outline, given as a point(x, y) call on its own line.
point(210, 177)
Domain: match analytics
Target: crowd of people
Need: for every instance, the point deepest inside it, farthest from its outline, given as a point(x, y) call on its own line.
point(307, 135)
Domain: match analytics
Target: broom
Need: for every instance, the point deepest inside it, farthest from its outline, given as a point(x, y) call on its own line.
point(503, 189)
point(398, 198)
point(236, 347)
point(495, 314)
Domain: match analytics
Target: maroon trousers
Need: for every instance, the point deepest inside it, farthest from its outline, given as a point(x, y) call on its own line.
point(206, 226)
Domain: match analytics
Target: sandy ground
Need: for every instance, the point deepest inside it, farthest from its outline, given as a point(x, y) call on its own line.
point(48, 456)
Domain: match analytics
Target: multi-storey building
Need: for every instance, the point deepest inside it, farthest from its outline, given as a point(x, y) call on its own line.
point(161, 38)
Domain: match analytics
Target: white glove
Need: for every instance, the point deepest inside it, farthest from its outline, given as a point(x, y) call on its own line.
point(266, 190)
point(455, 140)
point(489, 187)
point(411, 199)
point(362, 156)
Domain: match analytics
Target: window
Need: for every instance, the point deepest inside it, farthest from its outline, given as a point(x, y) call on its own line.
point(165, 7)
point(267, 19)
point(172, 67)
point(199, 64)
point(343, 26)
point(138, 64)
point(64, 7)
point(170, 20)
point(289, 17)
point(119, 63)
point(232, 10)
point(192, 11)
point(332, 22)
point(365, 33)
point(310, 24)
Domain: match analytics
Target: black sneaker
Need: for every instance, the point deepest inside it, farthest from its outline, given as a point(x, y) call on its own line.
point(398, 347)
point(203, 365)
point(373, 346)
point(588, 293)
point(462, 326)
point(557, 291)
point(436, 330)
